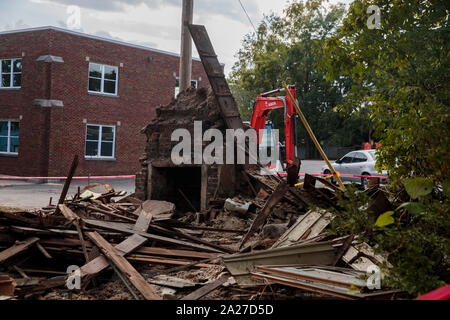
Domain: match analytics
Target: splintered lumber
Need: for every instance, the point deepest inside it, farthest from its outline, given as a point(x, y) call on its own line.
point(53, 244)
point(75, 220)
point(65, 189)
point(43, 251)
point(124, 266)
point(121, 228)
point(308, 226)
point(179, 233)
point(174, 282)
point(143, 221)
point(100, 263)
point(110, 213)
point(159, 260)
point(347, 243)
point(274, 198)
point(7, 285)
point(203, 291)
point(17, 248)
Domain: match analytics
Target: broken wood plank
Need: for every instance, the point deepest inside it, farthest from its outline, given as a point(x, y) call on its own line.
point(308, 226)
point(65, 189)
point(347, 243)
point(150, 259)
point(17, 248)
point(173, 282)
point(143, 221)
point(110, 213)
point(75, 220)
point(43, 251)
point(100, 263)
point(142, 250)
point(21, 272)
point(7, 285)
point(203, 291)
point(183, 235)
point(124, 266)
point(274, 198)
point(121, 228)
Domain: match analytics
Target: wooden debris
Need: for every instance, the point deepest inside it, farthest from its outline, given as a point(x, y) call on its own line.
point(203, 291)
point(307, 226)
point(17, 248)
point(124, 266)
point(65, 189)
point(274, 198)
point(7, 285)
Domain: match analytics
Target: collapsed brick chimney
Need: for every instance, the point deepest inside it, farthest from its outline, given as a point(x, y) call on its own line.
point(160, 178)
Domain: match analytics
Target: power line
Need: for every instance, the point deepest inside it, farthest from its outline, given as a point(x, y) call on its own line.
point(248, 17)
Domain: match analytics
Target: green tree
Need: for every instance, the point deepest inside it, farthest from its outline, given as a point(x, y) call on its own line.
point(401, 74)
point(289, 48)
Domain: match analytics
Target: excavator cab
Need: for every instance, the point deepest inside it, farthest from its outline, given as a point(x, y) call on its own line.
point(265, 103)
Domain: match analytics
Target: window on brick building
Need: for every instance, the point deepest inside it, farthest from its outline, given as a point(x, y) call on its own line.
point(100, 141)
point(102, 78)
point(9, 137)
point(11, 73)
point(194, 83)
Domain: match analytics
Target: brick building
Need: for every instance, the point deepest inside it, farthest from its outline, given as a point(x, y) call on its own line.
point(64, 93)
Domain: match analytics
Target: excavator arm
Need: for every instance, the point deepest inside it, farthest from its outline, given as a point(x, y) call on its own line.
point(264, 105)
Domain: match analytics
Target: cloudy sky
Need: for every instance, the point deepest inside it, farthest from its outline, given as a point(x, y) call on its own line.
point(153, 23)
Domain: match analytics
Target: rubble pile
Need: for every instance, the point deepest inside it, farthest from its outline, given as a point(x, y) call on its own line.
point(127, 248)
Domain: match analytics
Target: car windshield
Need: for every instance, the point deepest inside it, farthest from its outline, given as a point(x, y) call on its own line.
point(372, 154)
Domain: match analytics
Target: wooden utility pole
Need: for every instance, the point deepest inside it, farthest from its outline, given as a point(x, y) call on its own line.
point(186, 45)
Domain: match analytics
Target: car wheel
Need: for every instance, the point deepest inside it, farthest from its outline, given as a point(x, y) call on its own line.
point(365, 181)
point(332, 180)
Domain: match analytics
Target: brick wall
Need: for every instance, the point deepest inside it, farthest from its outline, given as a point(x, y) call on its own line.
point(49, 137)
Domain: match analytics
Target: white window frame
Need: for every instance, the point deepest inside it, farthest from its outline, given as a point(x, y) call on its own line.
point(99, 146)
point(177, 88)
point(102, 79)
point(11, 73)
point(8, 137)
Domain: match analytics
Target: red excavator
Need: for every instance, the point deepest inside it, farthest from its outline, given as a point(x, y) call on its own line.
point(265, 103)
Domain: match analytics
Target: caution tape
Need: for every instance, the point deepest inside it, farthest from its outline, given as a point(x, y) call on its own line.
point(339, 174)
point(64, 178)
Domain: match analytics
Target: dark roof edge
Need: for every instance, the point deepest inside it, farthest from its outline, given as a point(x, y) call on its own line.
point(81, 34)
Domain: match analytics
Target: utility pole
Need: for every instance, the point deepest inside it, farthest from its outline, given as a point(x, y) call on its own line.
point(186, 45)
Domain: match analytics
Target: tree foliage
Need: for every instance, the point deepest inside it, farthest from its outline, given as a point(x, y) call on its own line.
point(401, 77)
point(401, 74)
point(289, 48)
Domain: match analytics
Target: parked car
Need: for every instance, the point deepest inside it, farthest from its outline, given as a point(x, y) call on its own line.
point(360, 162)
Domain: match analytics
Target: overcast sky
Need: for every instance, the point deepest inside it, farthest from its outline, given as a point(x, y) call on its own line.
point(153, 23)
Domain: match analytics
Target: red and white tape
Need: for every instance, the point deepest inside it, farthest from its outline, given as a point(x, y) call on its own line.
point(64, 178)
point(133, 176)
point(340, 175)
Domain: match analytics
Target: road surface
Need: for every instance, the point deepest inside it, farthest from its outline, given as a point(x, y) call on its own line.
point(29, 195)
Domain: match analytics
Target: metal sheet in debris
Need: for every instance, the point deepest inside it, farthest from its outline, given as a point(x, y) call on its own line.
point(320, 253)
point(318, 275)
